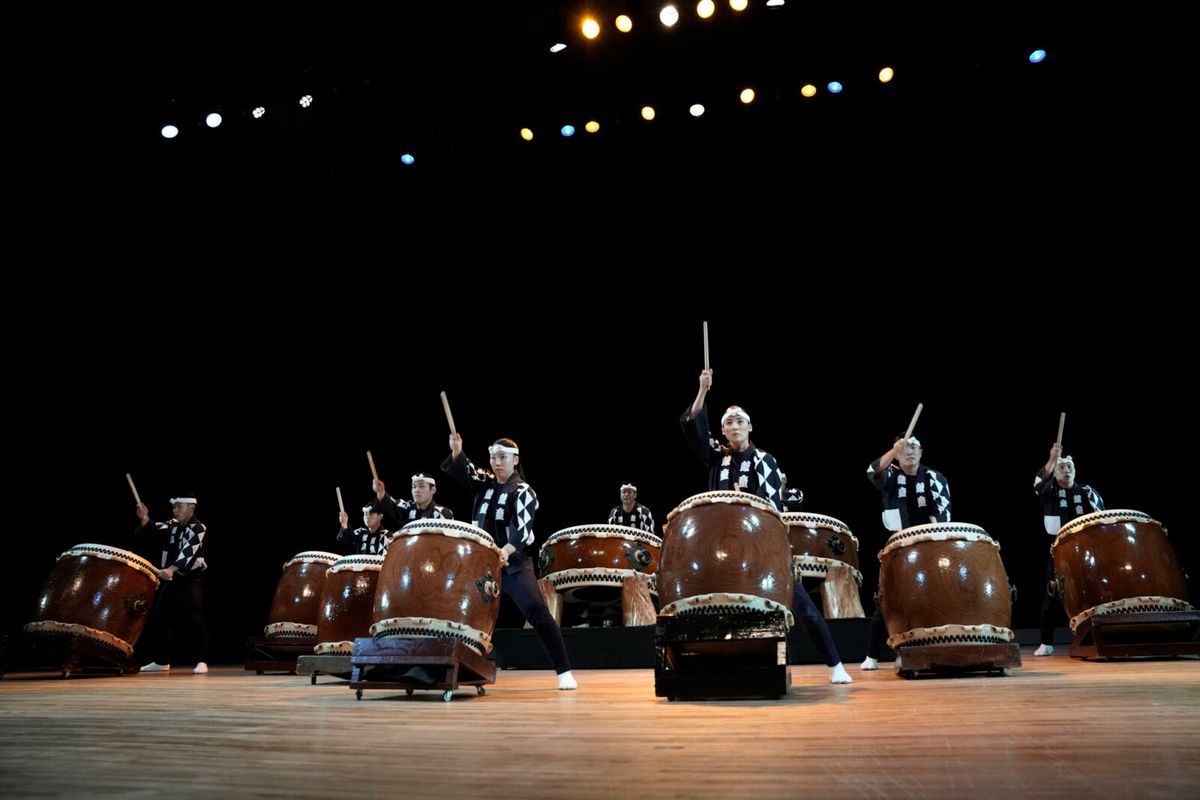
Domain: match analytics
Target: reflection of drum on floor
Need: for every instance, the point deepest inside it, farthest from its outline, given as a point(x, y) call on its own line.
point(440, 579)
point(825, 551)
point(944, 584)
point(608, 567)
point(725, 551)
point(297, 603)
point(1117, 561)
point(347, 603)
point(103, 594)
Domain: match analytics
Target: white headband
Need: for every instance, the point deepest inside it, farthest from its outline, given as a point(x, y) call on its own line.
point(500, 448)
point(625, 486)
point(175, 500)
point(426, 478)
point(1066, 460)
point(914, 441)
point(734, 411)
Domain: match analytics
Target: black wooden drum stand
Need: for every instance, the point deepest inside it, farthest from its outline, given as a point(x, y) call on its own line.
point(277, 653)
point(721, 656)
point(957, 658)
point(418, 663)
point(335, 664)
point(64, 653)
point(1164, 633)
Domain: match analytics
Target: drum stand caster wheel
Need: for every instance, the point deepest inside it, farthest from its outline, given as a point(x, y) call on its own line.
point(408, 692)
point(479, 690)
point(358, 694)
point(906, 673)
point(447, 695)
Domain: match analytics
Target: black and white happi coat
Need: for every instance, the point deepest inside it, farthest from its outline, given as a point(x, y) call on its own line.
point(504, 510)
point(639, 518)
point(911, 499)
point(399, 512)
point(182, 546)
point(367, 543)
point(1060, 506)
point(751, 470)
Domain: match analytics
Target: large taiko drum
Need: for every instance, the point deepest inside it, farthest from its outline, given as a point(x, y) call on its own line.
point(588, 563)
point(297, 604)
point(725, 551)
point(441, 578)
point(101, 593)
point(944, 584)
point(1117, 561)
point(347, 603)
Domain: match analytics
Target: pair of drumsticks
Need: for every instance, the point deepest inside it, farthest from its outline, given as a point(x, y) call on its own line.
point(371, 459)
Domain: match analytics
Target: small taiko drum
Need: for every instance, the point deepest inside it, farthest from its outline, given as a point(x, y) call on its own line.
point(347, 603)
point(944, 584)
point(440, 578)
point(297, 604)
point(725, 551)
point(588, 563)
point(1117, 561)
point(819, 542)
point(101, 593)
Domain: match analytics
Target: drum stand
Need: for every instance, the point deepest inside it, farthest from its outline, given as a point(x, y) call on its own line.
point(957, 658)
point(1160, 633)
point(277, 653)
point(65, 653)
point(721, 656)
point(412, 663)
point(336, 665)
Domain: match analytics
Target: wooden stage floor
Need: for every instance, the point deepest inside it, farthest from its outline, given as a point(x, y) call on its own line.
point(1055, 728)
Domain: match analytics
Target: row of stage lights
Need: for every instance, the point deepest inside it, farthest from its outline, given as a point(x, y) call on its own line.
point(746, 96)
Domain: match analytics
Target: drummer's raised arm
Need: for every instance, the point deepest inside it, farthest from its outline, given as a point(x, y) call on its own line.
point(705, 385)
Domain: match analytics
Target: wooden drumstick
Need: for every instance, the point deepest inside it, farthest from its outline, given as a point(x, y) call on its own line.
point(371, 461)
point(1062, 420)
point(706, 344)
point(449, 416)
point(913, 424)
point(133, 489)
point(341, 505)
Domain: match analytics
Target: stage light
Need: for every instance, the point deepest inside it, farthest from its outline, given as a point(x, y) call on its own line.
point(747, 96)
point(591, 28)
point(669, 15)
point(213, 120)
point(592, 126)
point(169, 131)
point(647, 113)
point(886, 74)
point(624, 24)
point(1037, 56)
point(696, 110)
point(527, 134)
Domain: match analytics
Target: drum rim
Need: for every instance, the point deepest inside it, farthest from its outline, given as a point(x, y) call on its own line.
point(111, 553)
point(981, 633)
point(1113, 516)
point(601, 532)
point(94, 634)
point(935, 532)
point(815, 562)
point(313, 557)
point(587, 577)
point(696, 603)
point(726, 496)
point(470, 636)
point(362, 562)
point(804, 516)
point(452, 528)
point(1155, 602)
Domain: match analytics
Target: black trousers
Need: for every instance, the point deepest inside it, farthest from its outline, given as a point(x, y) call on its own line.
point(521, 586)
point(810, 617)
point(1052, 607)
point(876, 633)
point(176, 621)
